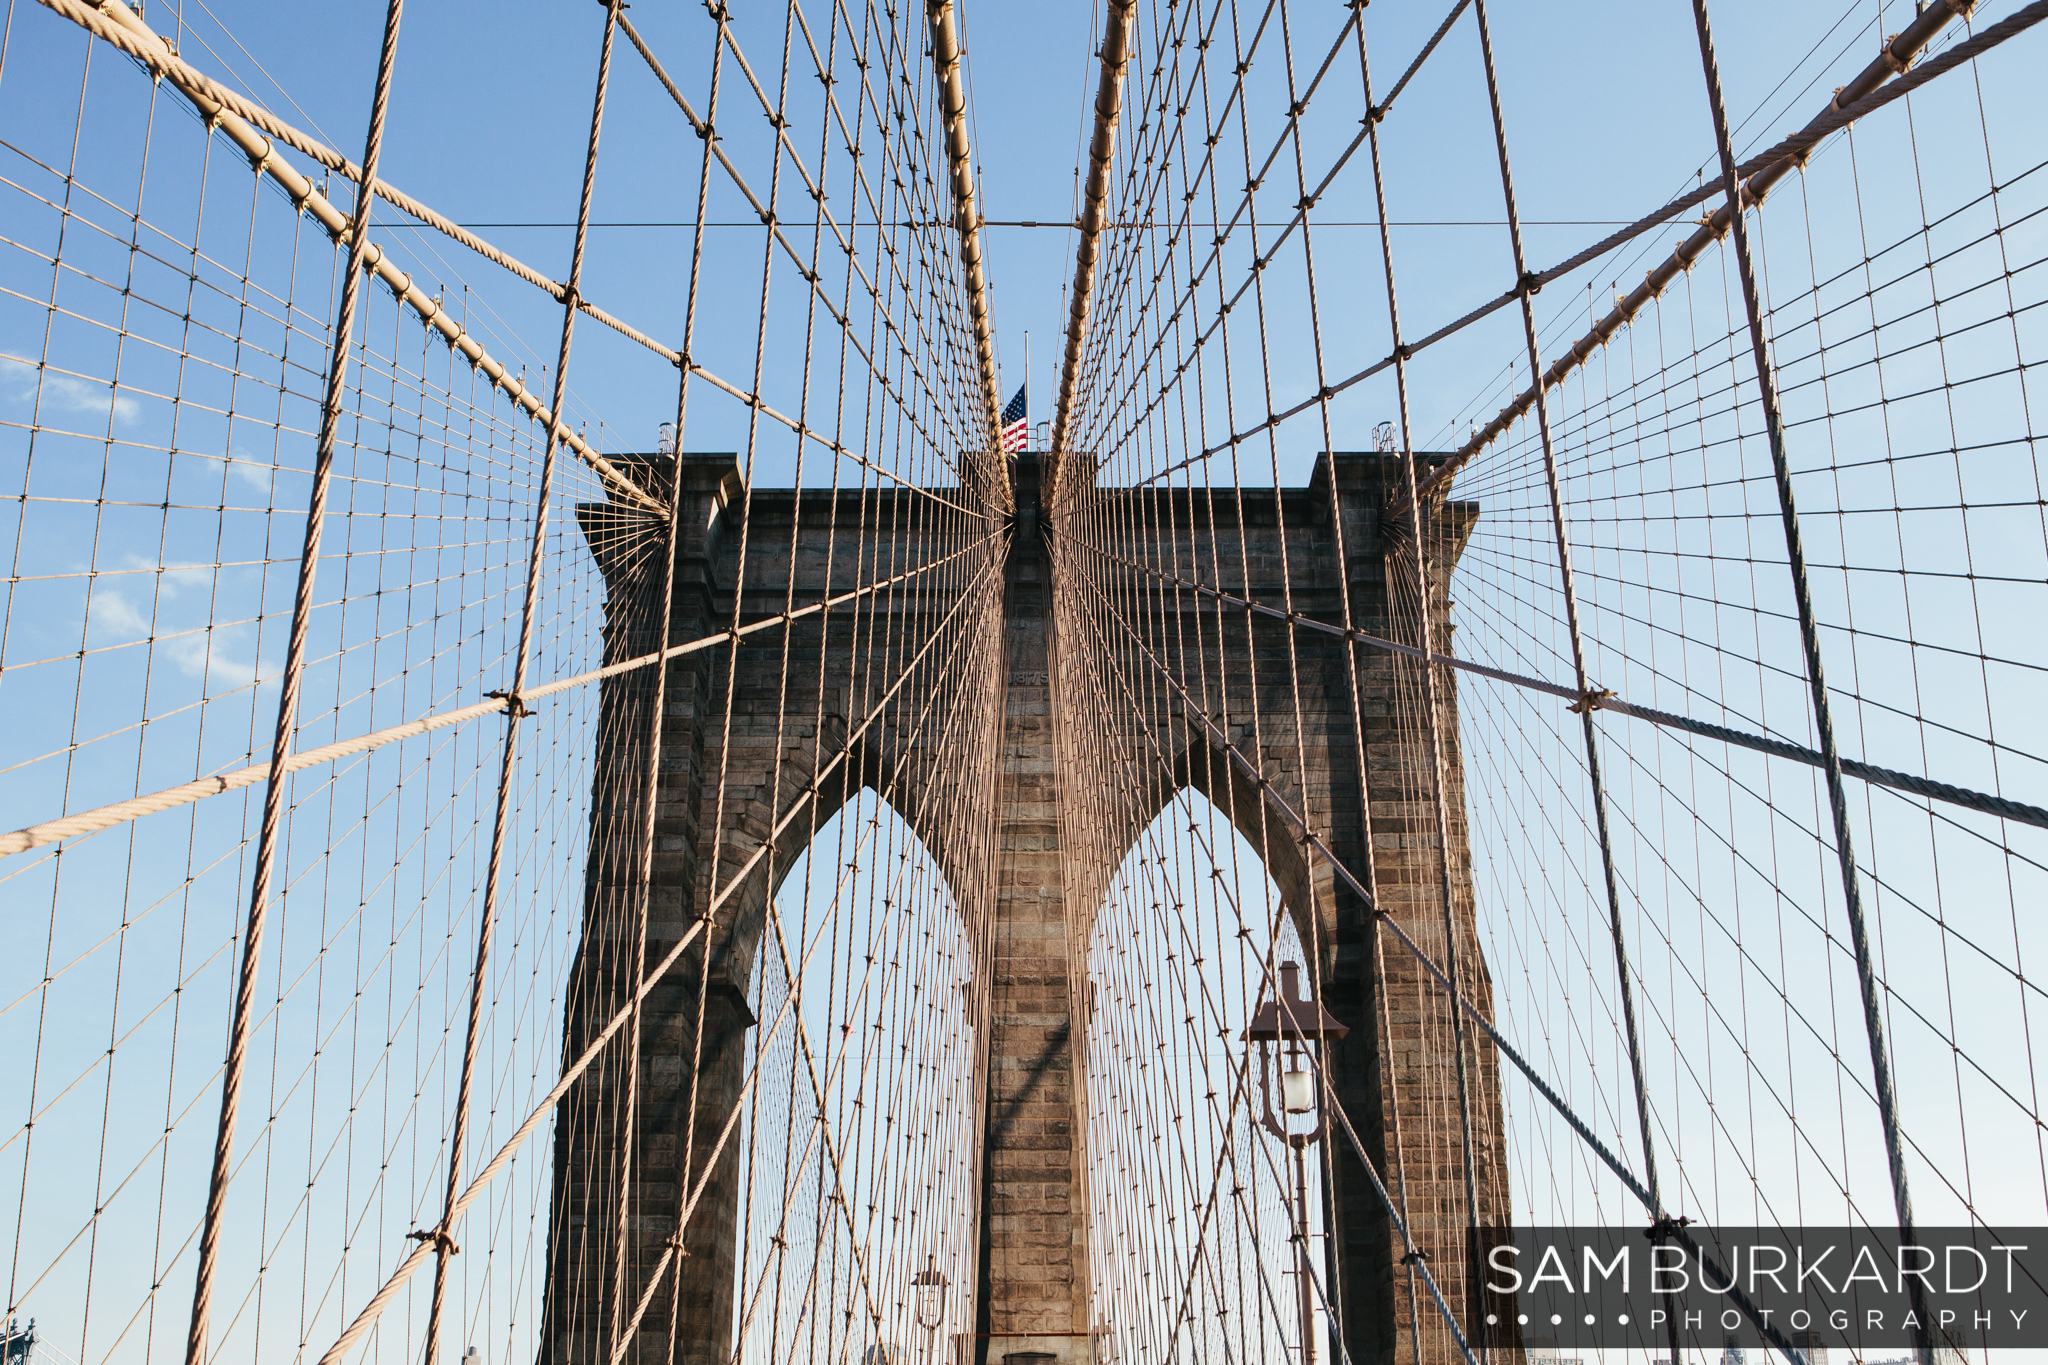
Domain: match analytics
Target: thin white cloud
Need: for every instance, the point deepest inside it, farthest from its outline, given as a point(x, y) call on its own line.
point(114, 619)
point(176, 580)
point(258, 474)
point(196, 657)
point(63, 392)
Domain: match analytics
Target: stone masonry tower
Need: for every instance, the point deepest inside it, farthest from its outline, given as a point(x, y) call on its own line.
point(1394, 1073)
point(1035, 1295)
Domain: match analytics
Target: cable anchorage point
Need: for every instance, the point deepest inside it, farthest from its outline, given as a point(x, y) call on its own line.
point(1593, 699)
point(515, 705)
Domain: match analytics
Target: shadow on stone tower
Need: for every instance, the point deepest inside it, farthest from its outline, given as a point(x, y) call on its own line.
point(755, 735)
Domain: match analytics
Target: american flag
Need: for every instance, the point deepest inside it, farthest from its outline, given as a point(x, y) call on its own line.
point(1016, 424)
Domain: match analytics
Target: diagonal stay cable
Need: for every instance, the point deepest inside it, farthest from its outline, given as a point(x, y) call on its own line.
point(1792, 150)
point(104, 817)
point(2002, 807)
point(1798, 145)
point(156, 54)
point(803, 429)
point(798, 804)
point(1863, 93)
point(1376, 114)
point(1311, 840)
point(290, 689)
point(1241, 1089)
point(769, 219)
point(263, 155)
point(253, 130)
point(694, 1193)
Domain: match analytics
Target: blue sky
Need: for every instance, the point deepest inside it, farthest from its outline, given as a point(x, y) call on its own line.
point(1605, 112)
point(1606, 119)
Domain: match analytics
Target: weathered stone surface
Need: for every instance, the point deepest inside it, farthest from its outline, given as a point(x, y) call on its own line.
point(1293, 700)
point(1338, 734)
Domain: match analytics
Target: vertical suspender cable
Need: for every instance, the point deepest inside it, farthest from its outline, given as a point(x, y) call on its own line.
point(1588, 700)
point(1387, 1081)
point(288, 705)
point(1410, 1263)
point(673, 1251)
point(708, 132)
point(1809, 639)
point(1432, 711)
point(1899, 52)
point(443, 1234)
point(569, 302)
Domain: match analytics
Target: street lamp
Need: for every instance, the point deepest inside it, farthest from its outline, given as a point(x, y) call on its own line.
point(930, 1284)
point(1284, 1027)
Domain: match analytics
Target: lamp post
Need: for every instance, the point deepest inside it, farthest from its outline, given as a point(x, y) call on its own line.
point(1284, 1027)
point(930, 1284)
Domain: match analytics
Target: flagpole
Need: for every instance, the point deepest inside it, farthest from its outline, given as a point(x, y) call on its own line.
point(1027, 390)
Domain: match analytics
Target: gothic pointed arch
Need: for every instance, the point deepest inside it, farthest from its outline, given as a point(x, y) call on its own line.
point(1183, 1176)
point(866, 942)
